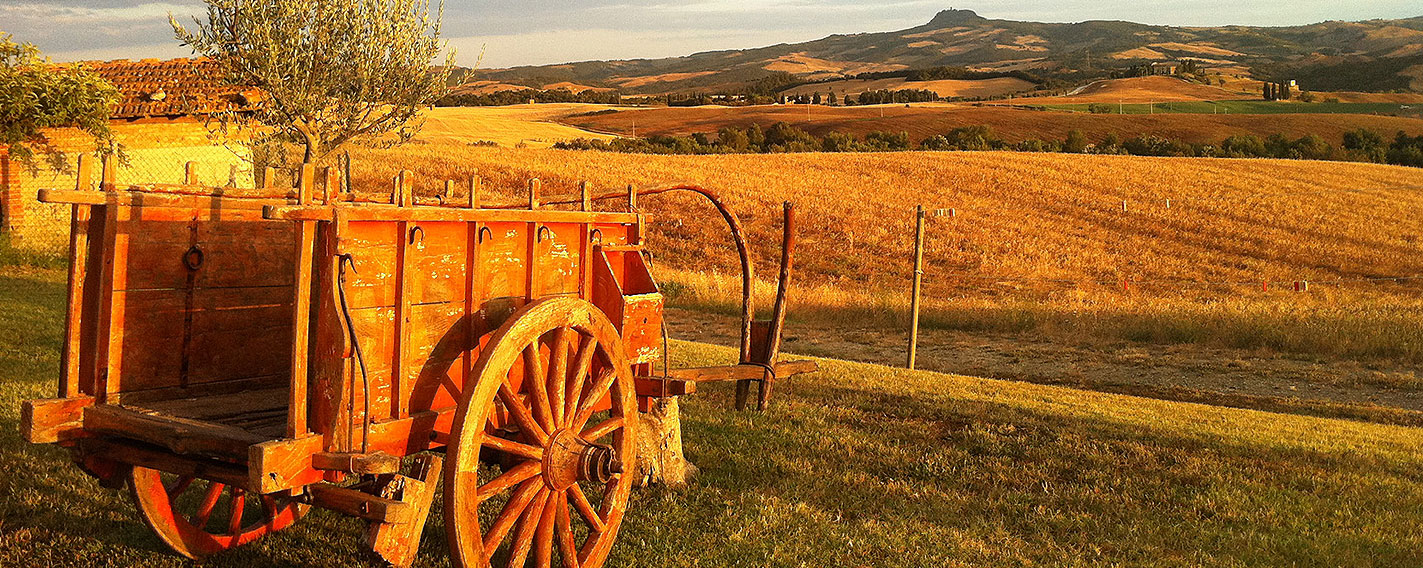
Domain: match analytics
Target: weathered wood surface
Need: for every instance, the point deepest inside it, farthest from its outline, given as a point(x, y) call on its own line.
point(360, 504)
point(182, 436)
point(398, 543)
point(742, 372)
point(47, 421)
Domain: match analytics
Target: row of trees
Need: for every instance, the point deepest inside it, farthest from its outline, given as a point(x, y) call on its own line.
point(1359, 146)
point(516, 97)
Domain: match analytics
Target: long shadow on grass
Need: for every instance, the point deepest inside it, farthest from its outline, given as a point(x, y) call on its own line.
point(1053, 483)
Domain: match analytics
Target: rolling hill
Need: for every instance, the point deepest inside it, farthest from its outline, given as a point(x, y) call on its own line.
point(1376, 55)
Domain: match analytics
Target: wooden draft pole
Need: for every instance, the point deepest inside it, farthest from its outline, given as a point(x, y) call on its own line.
point(918, 283)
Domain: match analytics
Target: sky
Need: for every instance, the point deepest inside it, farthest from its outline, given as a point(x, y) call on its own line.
point(536, 32)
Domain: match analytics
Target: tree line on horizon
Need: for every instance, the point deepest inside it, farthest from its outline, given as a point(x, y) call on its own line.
point(1361, 145)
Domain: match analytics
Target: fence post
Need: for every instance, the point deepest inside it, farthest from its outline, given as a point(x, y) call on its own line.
point(918, 281)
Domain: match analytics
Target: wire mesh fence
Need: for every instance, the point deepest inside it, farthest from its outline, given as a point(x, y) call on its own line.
point(28, 225)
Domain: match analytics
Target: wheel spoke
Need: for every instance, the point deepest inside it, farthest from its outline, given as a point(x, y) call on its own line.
point(269, 508)
point(238, 499)
point(524, 536)
point(543, 537)
point(591, 398)
point(558, 374)
point(515, 507)
point(535, 386)
point(582, 365)
point(567, 546)
point(508, 479)
point(603, 429)
point(509, 446)
point(180, 485)
point(200, 519)
point(520, 411)
point(585, 509)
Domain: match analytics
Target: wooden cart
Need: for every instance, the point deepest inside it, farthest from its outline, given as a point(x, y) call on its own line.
point(235, 357)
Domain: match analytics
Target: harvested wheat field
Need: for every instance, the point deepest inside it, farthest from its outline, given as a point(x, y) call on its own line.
point(1031, 228)
point(1144, 90)
point(529, 125)
point(1012, 124)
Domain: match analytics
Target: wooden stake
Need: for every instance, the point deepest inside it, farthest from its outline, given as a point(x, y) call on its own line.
point(332, 192)
point(449, 190)
point(632, 198)
point(269, 178)
point(190, 173)
point(405, 188)
point(110, 174)
point(534, 185)
point(918, 281)
point(474, 184)
point(586, 197)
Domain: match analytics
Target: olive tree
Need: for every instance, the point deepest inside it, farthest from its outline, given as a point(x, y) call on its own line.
point(37, 96)
point(331, 71)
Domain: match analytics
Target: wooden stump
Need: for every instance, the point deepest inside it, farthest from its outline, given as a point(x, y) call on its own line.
point(659, 447)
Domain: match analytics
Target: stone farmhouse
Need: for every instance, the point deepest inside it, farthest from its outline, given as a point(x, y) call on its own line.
point(161, 121)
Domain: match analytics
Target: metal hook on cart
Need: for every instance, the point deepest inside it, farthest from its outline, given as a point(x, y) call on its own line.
point(346, 260)
point(482, 231)
point(542, 231)
point(596, 236)
point(417, 230)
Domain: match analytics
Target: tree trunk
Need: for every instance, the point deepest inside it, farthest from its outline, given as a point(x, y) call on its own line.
point(659, 447)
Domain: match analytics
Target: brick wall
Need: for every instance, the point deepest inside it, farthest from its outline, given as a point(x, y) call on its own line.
point(10, 209)
point(157, 153)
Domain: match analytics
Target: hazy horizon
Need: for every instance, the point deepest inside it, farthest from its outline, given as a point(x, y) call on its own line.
point(541, 32)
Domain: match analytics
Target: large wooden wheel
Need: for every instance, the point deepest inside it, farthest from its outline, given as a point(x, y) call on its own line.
point(197, 518)
point(542, 381)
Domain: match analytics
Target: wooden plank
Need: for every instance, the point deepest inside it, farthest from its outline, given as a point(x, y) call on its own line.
point(433, 214)
point(114, 255)
point(560, 259)
point(279, 465)
point(398, 543)
point(135, 454)
point(437, 342)
point(742, 372)
point(415, 433)
point(364, 464)
point(180, 435)
point(360, 504)
point(215, 408)
point(301, 314)
point(202, 390)
point(503, 258)
point(438, 262)
point(47, 421)
point(78, 274)
point(652, 387)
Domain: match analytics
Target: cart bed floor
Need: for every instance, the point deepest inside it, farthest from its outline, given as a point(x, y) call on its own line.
point(262, 412)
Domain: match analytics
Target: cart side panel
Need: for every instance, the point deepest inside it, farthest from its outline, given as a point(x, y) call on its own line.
point(197, 295)
point(559, 257)
point(502, 269)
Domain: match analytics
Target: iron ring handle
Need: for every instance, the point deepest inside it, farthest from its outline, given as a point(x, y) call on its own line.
point(193, 258)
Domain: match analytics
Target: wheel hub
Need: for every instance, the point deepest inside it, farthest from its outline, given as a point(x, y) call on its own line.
point(569, 459)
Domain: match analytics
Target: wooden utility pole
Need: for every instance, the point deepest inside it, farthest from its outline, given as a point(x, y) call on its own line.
point(918, 281)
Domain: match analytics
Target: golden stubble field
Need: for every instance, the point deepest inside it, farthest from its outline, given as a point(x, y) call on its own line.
point(1038, 242)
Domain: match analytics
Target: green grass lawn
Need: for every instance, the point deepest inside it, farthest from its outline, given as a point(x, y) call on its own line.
point(858, 465)
point(1248, 107)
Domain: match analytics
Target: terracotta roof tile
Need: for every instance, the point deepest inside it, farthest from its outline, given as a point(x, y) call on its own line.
point(170, 88)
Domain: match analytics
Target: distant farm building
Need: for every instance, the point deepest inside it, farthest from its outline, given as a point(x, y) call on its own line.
point(159, 121)
point(1165, 68)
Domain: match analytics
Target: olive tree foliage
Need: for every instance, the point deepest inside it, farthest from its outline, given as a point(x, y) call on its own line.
point(332, 72)
point(37, 96)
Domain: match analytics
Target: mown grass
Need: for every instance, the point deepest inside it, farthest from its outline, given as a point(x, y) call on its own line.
point(858, 465)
